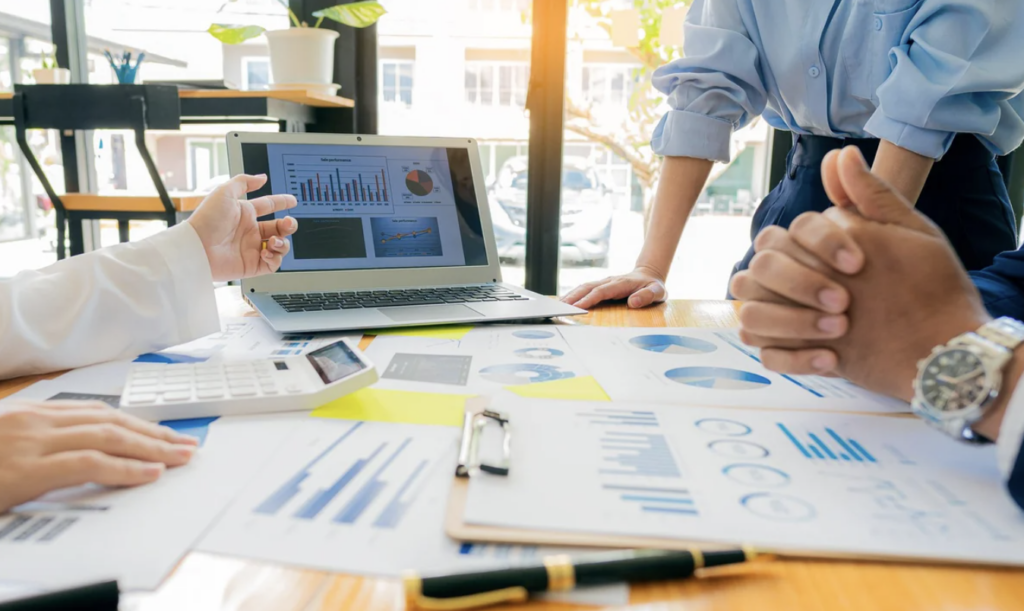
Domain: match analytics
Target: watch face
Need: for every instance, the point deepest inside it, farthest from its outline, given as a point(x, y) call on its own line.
point(953, 380)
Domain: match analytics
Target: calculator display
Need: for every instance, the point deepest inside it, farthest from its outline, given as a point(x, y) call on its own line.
point(335, 362)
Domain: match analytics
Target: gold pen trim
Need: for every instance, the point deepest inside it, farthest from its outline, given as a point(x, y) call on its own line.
point(698, 557)
point(561, 573)
point(414, 598)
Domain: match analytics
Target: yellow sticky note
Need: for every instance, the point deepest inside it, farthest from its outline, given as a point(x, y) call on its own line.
point(380, 405)
point(584, 388)
point(438, 332)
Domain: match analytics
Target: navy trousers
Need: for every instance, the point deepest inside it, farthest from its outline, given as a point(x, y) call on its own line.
point(965, 195)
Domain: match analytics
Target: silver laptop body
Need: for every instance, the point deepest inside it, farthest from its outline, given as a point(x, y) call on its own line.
point(393, 232)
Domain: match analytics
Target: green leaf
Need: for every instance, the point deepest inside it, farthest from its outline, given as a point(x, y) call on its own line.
point(356, 14)
point(235, 34)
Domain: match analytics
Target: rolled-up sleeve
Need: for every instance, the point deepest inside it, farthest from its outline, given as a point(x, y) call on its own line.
point(717, 87)
point(959, 69)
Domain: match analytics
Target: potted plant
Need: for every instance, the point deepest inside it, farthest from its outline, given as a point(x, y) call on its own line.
point(50, 74)
point(303, 56)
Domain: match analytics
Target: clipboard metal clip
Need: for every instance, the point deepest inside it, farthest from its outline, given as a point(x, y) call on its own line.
point(469, 452)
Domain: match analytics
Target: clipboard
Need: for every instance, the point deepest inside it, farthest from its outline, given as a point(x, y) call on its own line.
point(456, 527)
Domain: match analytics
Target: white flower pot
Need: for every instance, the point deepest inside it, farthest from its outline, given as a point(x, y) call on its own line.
point(51, 76)
point(302, 55)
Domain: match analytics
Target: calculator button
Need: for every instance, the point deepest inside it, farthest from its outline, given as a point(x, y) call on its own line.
point(268, 390)
point(293, 388)
point(145, 373)
point(174, 387)
point(210, 393)
point(243, 391)
point(144, 382)
point(211, 384)
point(142, 398)
point(178, 395)
point(177, 379)
point(205, 379)
point(237, 369)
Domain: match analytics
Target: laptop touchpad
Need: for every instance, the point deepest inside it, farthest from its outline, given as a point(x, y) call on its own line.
point(433, 312)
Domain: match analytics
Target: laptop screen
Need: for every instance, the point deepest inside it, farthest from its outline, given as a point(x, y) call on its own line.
point(373, 207)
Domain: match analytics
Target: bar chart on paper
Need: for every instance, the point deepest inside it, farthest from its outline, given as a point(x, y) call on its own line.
point(336, 489)
point(637, 465)
point(828, 445)
point(357, 183)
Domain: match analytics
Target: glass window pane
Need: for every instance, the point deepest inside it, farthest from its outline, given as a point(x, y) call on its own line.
point(27, 220)
point(486, 84)
point(602, 229)
point(472, 80)
point(505, 84)
point(489, 44)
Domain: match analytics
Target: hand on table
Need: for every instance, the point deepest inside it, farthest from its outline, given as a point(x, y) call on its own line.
point(53, 445)
point(231, 235)
point(864, 290)
point(643, 287)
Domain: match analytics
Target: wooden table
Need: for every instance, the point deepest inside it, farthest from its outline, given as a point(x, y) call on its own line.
point(293, 110)
point(205, 582)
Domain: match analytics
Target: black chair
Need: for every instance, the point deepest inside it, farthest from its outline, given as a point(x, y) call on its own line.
point(87, 107)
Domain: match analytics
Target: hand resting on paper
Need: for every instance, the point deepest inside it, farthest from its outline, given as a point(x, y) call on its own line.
point(53, 445)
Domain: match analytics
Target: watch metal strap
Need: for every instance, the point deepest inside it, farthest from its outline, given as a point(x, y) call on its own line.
point(1005, 331)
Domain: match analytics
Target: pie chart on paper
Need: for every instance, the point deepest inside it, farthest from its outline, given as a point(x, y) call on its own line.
point(717, 378)
point(673, 344)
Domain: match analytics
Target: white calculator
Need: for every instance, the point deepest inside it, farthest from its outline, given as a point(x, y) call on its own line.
point(198, 390)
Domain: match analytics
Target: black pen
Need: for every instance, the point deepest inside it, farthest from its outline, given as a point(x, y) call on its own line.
point(103, 596)
point(560, 573)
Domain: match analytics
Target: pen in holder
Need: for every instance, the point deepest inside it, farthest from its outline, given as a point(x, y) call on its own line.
point(123, 68)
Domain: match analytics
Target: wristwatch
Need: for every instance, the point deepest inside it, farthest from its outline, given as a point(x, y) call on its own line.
point(957, 382)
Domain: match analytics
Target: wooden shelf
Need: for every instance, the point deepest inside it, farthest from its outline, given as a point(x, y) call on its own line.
point(128, 203)
point(308, 98)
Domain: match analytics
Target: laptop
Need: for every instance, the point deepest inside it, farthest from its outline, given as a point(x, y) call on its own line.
point(393, 232)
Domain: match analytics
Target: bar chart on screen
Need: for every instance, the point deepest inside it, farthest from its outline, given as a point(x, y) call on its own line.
point(338, 488)
point(353, 183)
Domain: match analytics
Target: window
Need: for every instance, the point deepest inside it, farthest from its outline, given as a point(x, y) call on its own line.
point(497, 84)
point(396, 82)
point(255, 73)
point(611, 111)
point(207, 163)
point(609, 85)
point(498, 5)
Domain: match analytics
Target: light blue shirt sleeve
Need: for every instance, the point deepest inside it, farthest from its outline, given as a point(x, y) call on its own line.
point(959, 69)
point(716, 88)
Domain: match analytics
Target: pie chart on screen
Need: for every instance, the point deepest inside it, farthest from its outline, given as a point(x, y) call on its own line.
point(419, 183)
point(717, 378)
point(672, 344)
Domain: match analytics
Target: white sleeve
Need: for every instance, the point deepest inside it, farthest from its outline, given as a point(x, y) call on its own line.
point(1011, 432)
point(110, 304)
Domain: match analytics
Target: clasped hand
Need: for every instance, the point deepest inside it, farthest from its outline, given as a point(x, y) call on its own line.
point(864, 290)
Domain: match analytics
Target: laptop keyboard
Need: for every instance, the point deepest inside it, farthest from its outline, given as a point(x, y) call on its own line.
point(351, 300)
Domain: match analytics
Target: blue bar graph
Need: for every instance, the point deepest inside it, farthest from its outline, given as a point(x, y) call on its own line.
point(638, 454)
point(617, 417)
point(656, 499)
point(849, 450)
point(392, 514)
point(312, 508)
point(293, 486)
point(369, 492)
